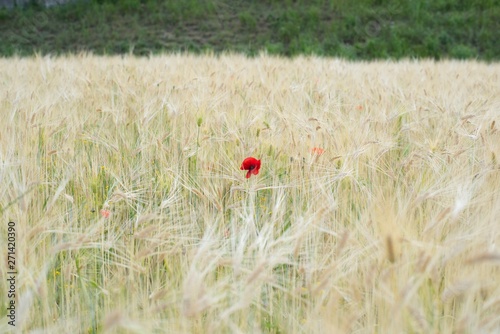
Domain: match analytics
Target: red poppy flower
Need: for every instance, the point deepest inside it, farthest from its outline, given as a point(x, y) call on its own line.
point(317, 151)
point(252, 165)
point(105, 213)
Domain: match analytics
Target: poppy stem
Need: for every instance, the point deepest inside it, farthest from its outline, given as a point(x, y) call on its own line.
point(198, 138)
point(198, 123)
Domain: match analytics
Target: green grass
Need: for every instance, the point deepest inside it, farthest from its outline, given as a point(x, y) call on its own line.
point(366, 29)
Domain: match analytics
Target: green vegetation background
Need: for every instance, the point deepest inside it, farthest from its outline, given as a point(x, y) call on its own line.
point(365, 29)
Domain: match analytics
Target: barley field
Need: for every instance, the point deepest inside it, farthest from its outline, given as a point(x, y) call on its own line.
point(376, 208)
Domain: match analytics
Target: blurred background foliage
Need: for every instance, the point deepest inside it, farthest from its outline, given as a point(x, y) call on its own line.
point(363, 30)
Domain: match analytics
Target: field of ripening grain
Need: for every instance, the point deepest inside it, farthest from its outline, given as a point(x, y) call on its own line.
point(376, 208)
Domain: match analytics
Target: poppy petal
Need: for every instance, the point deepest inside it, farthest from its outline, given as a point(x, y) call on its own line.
point(252, 165)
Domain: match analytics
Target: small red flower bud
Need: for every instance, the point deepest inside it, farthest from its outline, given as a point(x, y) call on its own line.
point(105, 213)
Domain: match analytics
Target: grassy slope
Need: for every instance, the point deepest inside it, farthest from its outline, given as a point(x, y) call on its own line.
point(356, 30)
point(394, 229)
